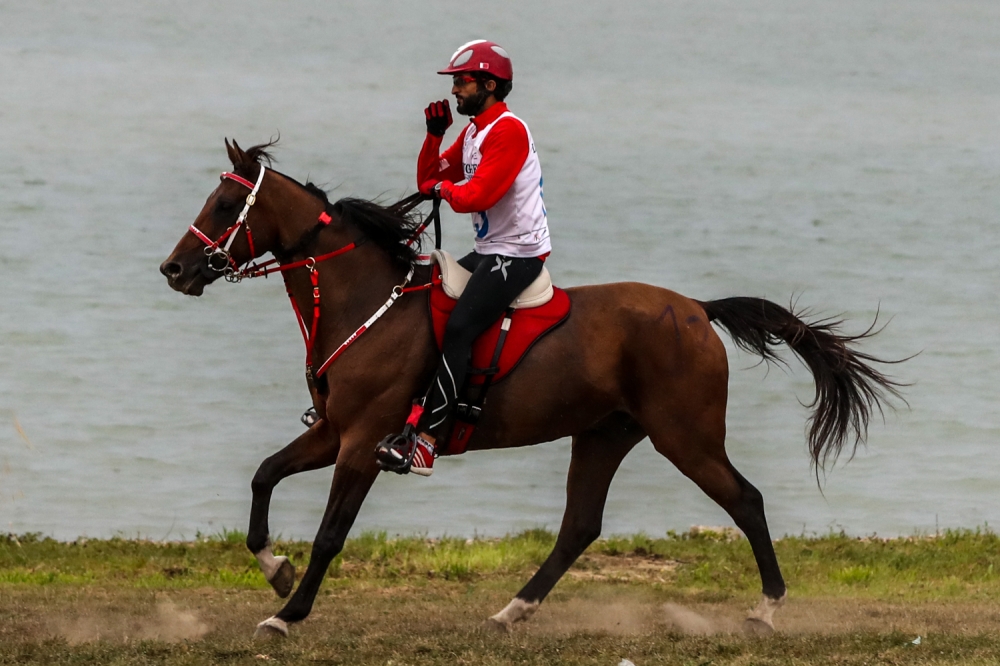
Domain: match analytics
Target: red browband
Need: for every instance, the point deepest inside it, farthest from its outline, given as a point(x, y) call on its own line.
point(238, 179)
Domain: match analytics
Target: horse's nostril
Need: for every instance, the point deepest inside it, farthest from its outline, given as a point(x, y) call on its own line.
point(171, 269)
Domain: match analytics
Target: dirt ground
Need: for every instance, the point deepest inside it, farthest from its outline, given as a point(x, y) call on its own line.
point(588, 622)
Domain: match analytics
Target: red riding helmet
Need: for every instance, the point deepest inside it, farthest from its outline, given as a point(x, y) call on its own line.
point(480, 55)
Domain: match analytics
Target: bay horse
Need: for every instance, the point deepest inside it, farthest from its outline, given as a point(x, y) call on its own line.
point(631, 361)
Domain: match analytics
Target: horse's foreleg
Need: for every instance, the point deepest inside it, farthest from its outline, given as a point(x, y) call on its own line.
point(314, 449)
point(352, 479)
point(597, 453)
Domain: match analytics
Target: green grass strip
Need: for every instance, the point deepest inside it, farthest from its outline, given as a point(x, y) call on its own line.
point(958, 564)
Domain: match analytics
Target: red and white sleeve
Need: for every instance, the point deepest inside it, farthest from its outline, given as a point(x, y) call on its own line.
point(504, 151)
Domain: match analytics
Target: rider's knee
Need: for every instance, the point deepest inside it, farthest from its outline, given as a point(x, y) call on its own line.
point(457, 334)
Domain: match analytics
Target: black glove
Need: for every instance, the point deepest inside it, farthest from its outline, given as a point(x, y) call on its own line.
point(438, 117)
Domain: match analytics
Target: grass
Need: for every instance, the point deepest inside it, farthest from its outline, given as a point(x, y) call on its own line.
point(958, 563)
point(416, 600)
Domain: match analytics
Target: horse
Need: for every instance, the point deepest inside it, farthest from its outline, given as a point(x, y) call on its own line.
point(631, 361)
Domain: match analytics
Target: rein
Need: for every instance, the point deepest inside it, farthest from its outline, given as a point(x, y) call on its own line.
point(233, 273)
point(434, 217)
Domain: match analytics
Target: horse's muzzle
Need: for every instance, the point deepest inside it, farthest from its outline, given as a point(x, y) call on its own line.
point(190, 279)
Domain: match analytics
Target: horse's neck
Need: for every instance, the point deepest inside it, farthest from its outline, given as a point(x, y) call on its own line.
point(358, 280)
point(290, 229)
point(352, 287)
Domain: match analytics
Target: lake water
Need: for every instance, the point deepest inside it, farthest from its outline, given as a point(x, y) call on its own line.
point(844, 155)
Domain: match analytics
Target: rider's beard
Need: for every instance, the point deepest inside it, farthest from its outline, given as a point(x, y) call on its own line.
point(473, 104)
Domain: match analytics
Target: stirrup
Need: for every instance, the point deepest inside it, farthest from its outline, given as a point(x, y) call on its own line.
point(419, 453)
point(309, 417)
point(391, 442)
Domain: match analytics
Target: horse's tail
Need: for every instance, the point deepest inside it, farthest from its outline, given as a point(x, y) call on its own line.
point(848, 388)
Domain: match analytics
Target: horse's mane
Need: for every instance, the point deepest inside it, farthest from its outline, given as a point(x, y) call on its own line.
point(388, 226)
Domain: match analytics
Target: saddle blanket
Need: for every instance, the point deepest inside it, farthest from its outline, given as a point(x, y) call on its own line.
point(528, 325)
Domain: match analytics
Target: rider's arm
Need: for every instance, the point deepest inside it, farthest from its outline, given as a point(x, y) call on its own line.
point(504, 151)
point(432, 167)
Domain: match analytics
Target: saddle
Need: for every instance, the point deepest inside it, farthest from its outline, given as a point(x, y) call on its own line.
point(496, 353)
point(454, 279)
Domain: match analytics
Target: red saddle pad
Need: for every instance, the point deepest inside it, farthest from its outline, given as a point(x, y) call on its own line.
point(527, 326)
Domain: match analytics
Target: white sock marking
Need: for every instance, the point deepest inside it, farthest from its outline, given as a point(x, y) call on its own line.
point(269, 564)
point(765, 609)
point(517, 610)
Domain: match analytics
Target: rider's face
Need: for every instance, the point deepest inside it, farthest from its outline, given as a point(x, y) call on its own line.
point(470, 94)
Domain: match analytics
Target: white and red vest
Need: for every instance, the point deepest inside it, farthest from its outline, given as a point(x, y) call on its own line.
point(516, 226)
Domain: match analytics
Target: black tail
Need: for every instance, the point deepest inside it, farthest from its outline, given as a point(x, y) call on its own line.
point(848, 389)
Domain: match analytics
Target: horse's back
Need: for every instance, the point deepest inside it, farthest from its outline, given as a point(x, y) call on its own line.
point(650, 323)
point(625, 347)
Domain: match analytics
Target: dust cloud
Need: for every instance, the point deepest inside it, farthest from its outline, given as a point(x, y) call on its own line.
point(687, 621)
point(627, 616)
point(617, 617)
point(167, 622)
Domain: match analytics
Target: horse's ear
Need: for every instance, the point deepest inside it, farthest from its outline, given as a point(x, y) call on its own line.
point(236, 155)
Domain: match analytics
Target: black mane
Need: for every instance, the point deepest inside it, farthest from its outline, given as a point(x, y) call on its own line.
point(389, 227)
point(261, 153)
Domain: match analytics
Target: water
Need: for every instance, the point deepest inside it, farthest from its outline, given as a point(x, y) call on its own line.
point(843, 154)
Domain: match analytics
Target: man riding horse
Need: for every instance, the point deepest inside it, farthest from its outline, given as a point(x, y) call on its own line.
point(491, 171)
point(634, 361)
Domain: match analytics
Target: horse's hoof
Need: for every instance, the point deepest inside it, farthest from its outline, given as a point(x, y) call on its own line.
point(272, 627)
point(518, 610)
point(283, 579)
point(759, 623)
point(496, 626)
point(754, 627)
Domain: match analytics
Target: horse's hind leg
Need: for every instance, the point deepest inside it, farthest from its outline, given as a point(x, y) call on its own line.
point(316, 448)
point(699, 453)
point(597, 453)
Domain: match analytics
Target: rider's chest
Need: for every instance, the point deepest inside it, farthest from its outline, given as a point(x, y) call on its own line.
point(471, 157)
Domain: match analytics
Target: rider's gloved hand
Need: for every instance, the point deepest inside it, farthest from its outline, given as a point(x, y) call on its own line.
point(438, 117)
point(431, 187)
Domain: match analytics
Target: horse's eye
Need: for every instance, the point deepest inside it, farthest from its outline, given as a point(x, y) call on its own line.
point(225, 205)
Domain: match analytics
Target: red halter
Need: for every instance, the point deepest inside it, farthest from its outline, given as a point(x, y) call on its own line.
point(234, 273)
point(212, 250)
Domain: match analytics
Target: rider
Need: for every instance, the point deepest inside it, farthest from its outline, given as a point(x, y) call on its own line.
point(491, 171)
